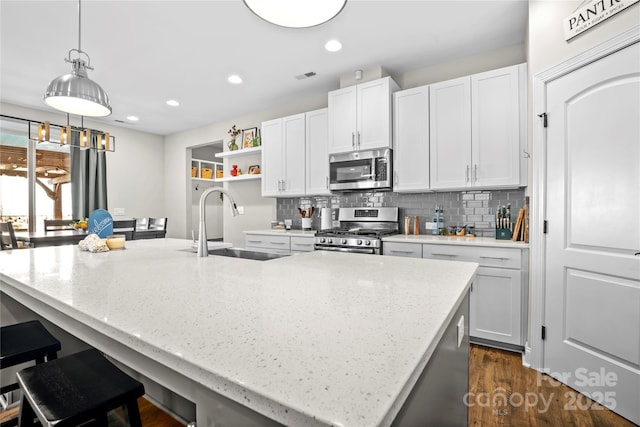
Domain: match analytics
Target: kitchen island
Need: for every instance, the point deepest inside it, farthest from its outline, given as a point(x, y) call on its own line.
point(317, 338)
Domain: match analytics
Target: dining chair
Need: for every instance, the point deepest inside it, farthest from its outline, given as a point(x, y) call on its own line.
point(159, 225)
point(142, 224)
point(7, 236)
point(58, 224)
point(126, 227)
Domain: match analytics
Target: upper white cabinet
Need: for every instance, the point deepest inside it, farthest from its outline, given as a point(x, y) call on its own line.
point(411, 140)
point(317, 155)
point(283, 156)
point(477, 130)
point(360, 116)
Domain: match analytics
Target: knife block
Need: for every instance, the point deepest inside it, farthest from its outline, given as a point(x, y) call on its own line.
point(503, 234)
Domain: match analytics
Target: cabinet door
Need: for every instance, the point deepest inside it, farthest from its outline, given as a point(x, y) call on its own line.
point(302, 244)
point(450, 133)
point(293, 151)
point(496, 307)
point(373, 114)
point(317, 156)
point(496, 107)
point(272, 161)
point(342, 120)
point(411, 140)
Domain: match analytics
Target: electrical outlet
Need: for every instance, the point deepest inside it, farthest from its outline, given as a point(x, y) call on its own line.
point(430, 225)
point(460, 330)
point(118, 211)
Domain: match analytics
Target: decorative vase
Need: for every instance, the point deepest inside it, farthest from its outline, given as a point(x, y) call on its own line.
point(232, 145)
point(234, 170)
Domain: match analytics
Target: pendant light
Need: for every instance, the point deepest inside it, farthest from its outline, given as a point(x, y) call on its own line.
point(75, 93)
point(296, 13)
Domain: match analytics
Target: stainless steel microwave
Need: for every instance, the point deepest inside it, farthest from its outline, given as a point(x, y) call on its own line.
point(361, 170)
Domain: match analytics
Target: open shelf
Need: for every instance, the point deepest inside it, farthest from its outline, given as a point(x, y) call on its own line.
point(245, 177)
point(241, 152)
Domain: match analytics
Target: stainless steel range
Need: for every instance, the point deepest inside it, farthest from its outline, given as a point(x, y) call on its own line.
point(361, 230)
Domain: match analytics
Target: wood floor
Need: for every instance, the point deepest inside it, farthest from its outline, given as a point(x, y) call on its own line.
point(531, 399)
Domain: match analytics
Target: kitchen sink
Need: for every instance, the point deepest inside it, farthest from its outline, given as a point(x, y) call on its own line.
point(246, 254)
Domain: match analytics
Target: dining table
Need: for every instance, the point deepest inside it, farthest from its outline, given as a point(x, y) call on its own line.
point(37, 239)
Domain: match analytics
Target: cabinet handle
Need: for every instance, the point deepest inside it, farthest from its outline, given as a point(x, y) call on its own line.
point(494, 257)
point(254, 241)
point(277, 243)
point(358, 140)
point(466, 174)
point(327, 184)
point(353, 140)
point(437, 254)
point(401, 251)
point(475, 173)
point(284, 185)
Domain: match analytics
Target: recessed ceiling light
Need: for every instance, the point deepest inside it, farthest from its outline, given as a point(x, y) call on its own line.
point(132, 118)
point(173, 103)
point(235, 79)
point(333, 45)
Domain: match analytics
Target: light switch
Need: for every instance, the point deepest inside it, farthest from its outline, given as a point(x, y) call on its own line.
point(460, 330)
point(240, 209)
point(118, 211)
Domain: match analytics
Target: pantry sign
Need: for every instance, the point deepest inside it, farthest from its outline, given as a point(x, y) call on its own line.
point(589, 16)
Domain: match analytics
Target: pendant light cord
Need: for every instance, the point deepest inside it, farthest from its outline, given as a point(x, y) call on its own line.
point(79, 25)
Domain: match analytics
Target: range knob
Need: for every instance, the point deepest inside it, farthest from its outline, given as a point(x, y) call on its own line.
point(329, 240)
point(359, 242)
point(343, 241)
point(322, 240)
point(368, 243)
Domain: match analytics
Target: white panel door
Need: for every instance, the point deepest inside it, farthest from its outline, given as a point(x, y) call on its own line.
point(592, 296)
point(272, 161)
point(373, 114)
point(495, 127)
point(317, 157)
point(342, 120)
point(293, 134)
point(411, 139)
point(450, 133)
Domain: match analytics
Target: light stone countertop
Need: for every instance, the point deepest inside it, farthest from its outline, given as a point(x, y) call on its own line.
point(283, 232)
point(318, 338)
point(446, 240)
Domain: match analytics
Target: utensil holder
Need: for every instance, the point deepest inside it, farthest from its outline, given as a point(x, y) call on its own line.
point(306, 223)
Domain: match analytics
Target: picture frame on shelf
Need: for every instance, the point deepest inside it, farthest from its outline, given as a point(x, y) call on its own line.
point(254, 170)
point(248, 135)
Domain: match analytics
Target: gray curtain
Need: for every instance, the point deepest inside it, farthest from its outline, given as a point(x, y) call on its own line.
point(88, 179)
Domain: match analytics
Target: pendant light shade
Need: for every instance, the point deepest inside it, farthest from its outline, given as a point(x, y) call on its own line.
point(296, 13)
point(75, 93)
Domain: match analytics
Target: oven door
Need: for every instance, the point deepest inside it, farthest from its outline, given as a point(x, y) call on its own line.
point(370, 251)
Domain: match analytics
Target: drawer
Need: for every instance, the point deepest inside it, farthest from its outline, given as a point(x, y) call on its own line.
point(485, 256)
point(267, 242)
point(410, 250)
point(302, 244)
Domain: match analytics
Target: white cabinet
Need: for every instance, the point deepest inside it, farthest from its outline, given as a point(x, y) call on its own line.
point(317, 154)
point(411, 140)
point(360, 116)
point(408, 250)
point(477, 130)
point(498, 309)
point(283, 156)
point(285, 244)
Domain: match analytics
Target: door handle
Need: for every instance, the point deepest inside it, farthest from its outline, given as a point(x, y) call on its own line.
point(358, 140)
point(475, 173)
point(327, 184)
point(353, 140)
point(466, 174)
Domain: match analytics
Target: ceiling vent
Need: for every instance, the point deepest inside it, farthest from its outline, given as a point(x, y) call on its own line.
point(305, 75)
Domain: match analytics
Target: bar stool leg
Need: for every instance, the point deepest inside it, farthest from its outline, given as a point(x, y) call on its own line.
point(133, 413)
point(26, 415)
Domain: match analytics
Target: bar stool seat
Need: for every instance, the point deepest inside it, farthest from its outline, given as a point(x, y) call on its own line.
point(24, 342)
point(75, 389)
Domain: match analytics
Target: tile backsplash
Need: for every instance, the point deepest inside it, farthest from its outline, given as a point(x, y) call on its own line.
point(477, 208)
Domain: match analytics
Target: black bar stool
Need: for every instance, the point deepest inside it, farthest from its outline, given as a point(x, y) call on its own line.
point(75, 389)
point(25, 342)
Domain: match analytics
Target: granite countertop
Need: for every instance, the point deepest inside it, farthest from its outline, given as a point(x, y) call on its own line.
point(283, 232)
point(450, 240)
point(318, 338)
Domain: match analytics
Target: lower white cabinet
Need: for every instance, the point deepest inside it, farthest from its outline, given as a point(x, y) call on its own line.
point(279, 244)
point(498, 310)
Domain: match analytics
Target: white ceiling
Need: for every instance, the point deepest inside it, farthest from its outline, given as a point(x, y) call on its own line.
point(146, 52)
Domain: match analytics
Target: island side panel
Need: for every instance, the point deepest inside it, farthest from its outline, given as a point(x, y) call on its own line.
point(438, 398)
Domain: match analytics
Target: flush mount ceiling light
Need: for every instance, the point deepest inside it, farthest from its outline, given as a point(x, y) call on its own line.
point(333, 45)
point(234, 79)
point(296, 13)
point(75, 93)
point(173, 103)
